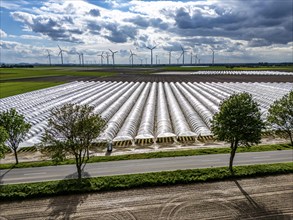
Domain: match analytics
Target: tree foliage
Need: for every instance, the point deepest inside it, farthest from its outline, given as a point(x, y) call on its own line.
point(72, 130)
point(281, 115)
point(16, 127)
point(238, 122)
point(3, 138)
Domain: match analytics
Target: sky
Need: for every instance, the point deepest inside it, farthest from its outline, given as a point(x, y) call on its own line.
point(238, 31)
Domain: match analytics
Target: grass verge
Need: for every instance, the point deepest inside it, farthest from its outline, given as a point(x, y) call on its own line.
point(161, 154)
point(110, 183)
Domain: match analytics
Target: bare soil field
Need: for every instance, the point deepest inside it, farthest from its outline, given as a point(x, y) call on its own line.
point(180, 77)
point(254, 198)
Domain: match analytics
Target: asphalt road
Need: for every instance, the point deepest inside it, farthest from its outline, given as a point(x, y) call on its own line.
point(37, 174)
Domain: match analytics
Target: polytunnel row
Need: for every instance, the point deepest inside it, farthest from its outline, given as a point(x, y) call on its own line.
point(229, 72)
point(139, 113)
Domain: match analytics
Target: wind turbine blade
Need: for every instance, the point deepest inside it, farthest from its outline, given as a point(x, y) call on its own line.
point(149, 48)
point(59, 47)
point(111, 50)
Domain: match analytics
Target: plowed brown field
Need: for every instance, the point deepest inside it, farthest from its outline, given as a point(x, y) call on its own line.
point(257, 198)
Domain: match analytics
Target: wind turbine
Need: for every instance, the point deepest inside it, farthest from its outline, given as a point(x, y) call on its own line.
point(141, 60)
point(156, 59)
point(131, 56)
point(170, 54)
point(79, 57)
point(213, 60)
point(151, 49)
point(102, 57)
point(191, 54)
point(49, 56)
point(113, 55)
point(82, 60)
point(195, 59)
point(182, 54)
point(61, 53)
point(107, 57)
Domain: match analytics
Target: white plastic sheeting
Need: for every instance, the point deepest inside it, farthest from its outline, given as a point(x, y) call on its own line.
point(141, 111)
point(242, 73)
point(194, 120)
point(131, 123)
point(146, 127)
point(163, 122)
point(179, 122)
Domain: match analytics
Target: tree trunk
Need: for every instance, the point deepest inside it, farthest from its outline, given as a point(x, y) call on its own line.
point(79, 172)
point(232, 155)
point(78, 167)
point(15, 155)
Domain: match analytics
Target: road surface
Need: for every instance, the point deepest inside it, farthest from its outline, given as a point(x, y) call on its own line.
point(37, 174)
point(253, 198)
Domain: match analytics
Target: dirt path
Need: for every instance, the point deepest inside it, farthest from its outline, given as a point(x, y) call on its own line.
point(261, 198)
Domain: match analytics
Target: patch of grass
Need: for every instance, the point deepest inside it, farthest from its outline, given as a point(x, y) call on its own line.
point(14, 88)
point(122, 182)
point(161, 154)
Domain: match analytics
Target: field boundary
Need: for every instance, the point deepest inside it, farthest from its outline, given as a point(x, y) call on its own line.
point(124, 182)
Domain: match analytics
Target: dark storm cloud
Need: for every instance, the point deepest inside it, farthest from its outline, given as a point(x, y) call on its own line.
point(120, 34)
point(93, 27)
point(139, 20)
point(51, 27)
point(95, 12)
point(269, 21)
point(144, 22)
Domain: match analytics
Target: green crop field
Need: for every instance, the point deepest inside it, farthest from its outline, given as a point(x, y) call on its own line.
point(14, 88)
point(22, 73)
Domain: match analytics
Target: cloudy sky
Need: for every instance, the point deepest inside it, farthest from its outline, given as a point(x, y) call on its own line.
point(237, 30)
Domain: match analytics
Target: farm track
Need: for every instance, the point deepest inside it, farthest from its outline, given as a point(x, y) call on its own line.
point(261, 198)
point(163, 78)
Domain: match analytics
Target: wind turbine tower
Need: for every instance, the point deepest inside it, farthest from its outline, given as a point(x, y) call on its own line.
point(49, 56)
point(170, 54)
point(131, 57)
point(113, 56)
point(102, 57)
point(79, 58)
point(183, 52)
point(213, 59)
point(191, 54)
point(61, 53)
point(151, 49)
point(107, 57)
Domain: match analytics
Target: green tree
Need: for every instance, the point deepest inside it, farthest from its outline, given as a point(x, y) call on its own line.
point(72, 130)
point(281, 115)
point(16, 127)
point(3, 138)
point(238, 122)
